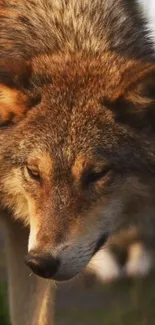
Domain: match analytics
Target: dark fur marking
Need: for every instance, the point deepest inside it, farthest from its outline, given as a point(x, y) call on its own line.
point(23, 20)
point(35, 100)
point(100, 243)
point(41, 79)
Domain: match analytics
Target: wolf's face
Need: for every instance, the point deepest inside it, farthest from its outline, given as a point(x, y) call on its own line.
point(71, 170)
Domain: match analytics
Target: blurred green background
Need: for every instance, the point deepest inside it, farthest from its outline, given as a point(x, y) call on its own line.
point(123, 302)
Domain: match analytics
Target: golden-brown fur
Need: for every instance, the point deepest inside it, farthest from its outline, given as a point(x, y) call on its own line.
point(77, 146)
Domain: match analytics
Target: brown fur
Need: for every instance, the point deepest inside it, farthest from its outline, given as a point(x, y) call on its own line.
point(79, 164)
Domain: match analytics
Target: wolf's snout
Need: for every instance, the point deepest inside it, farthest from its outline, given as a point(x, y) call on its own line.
point(42, 265)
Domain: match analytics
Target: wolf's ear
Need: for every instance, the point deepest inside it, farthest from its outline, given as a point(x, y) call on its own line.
point(16, 97)
point(13, 105)
point(136, 105)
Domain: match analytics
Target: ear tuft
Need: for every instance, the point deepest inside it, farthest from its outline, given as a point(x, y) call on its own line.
point(17, 95)
point(13, 105)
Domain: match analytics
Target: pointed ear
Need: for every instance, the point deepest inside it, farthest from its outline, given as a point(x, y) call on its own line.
point(16, 97)
point(136, 105)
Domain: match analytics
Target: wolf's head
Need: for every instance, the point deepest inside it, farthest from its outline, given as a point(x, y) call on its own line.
point(77, 154)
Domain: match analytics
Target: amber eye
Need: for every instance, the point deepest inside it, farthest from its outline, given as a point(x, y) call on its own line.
point(33, 172)
point(93, 176)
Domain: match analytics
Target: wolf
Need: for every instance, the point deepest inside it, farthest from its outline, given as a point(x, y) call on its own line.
point(77, 138)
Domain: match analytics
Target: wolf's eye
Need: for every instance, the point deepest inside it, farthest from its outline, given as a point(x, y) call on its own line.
point(95, 175)
point(33, 172)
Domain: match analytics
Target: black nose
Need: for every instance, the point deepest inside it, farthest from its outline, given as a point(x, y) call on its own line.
point(42, 265)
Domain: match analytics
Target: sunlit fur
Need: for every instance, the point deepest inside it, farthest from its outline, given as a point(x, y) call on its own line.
point(77, 146)
point(82, 115)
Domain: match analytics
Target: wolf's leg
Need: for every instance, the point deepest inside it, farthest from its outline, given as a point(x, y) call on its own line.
point(31, 298)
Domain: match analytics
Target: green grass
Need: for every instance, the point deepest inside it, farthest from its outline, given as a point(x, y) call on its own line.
point(4, 318)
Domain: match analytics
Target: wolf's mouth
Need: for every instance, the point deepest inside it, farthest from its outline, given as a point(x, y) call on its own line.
point(101, 241)
point(47, 266)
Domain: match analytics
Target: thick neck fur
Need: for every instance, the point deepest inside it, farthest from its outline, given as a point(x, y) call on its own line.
point(29, 28)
